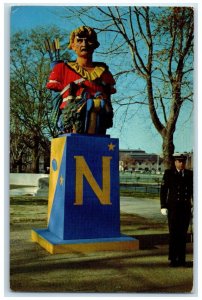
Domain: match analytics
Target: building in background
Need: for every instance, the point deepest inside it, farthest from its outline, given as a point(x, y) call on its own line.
point(140, 161)
point(129, 160)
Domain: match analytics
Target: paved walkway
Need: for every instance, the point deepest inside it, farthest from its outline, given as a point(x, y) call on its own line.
point(148, 208)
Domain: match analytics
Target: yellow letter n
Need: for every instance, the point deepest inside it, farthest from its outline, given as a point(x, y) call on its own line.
point(82, 170)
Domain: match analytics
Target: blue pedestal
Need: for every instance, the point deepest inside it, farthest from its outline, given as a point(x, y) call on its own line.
point(83, 200)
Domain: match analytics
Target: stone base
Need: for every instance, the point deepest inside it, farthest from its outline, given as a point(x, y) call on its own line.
point(54, 245)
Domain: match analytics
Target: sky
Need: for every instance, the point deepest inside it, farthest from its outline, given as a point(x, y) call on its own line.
point(135, 133)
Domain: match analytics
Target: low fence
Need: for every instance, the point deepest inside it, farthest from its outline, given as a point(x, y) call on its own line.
point(143, 183)
point(37, 184)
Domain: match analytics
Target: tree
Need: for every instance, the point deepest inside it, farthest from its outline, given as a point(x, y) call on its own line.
point(30, 106)
point(154, 46)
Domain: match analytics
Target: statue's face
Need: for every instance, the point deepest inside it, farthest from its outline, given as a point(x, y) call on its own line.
point(83, 46)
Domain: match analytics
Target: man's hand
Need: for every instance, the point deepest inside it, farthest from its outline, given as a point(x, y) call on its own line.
point(164, 211)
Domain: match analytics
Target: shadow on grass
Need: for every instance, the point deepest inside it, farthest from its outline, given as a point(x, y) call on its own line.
point(150, 241)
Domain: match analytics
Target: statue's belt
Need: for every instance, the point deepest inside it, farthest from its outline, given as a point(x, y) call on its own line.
point(77, 81)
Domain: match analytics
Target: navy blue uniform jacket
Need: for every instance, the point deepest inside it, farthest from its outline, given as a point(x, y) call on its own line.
point(176, 189)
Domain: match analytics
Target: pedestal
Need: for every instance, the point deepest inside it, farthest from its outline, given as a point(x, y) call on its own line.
point(84, 203)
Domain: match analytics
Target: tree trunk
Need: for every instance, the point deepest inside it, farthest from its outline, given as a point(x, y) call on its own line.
point(19, 163)
point(167, 135)
point(168, 149)
point(35, 156)
point(35, 162)
point(19, 166)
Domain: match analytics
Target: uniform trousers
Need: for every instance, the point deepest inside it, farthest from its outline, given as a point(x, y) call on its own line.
point(178, 223)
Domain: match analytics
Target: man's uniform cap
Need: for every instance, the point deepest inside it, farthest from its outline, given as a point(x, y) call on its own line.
point(179, 156)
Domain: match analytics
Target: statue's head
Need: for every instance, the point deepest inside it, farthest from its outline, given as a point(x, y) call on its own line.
point(84, 33)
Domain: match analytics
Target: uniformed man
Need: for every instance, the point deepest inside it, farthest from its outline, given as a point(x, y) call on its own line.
point(176, 203)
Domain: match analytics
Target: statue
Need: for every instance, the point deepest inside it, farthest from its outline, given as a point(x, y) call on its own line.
point(85, 86)
point(83, 200)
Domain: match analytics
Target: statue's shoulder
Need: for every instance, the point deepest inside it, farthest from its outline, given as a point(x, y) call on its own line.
point(101, 64)
point(68, 63)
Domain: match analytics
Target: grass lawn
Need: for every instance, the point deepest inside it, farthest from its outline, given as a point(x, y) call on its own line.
point(32, 269)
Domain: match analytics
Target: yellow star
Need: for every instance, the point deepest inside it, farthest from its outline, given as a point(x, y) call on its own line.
point(111, 147)
point(61, 180)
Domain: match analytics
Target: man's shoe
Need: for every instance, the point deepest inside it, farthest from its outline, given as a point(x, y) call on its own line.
point(182, 263)
point(173, 264)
